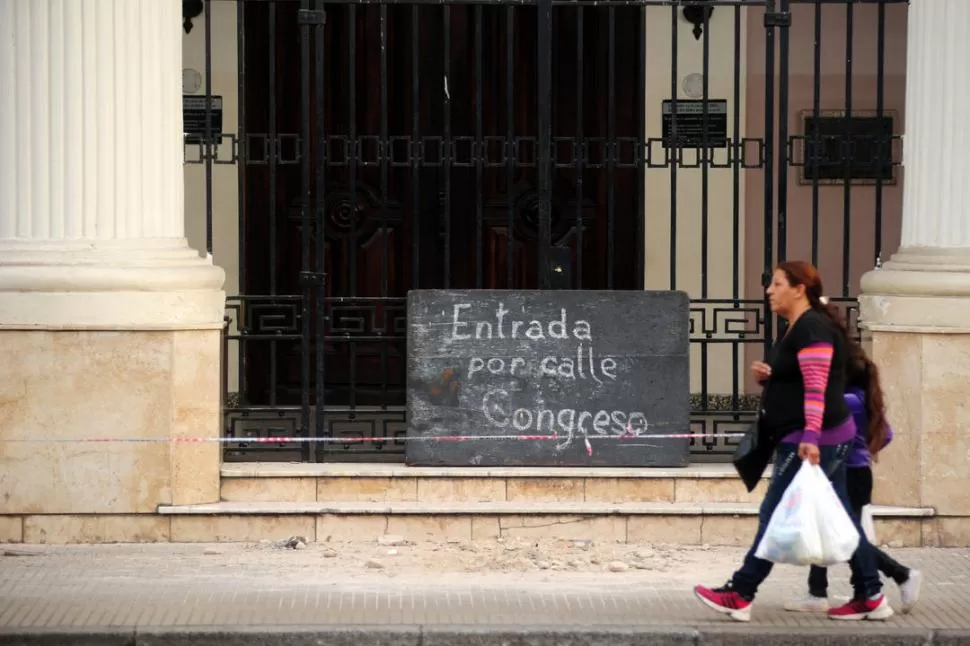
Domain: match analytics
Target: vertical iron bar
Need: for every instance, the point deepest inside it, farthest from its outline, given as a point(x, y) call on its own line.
point(641, 228)
point(706, 151)
point(736, 163)
point(353, 152)
point(208, 127)
point(816, 136)
point(673, 149)
point(511, 149)
point(479, 170)
point(611, 148)
point(544, 121)
point(783, 65)
point(384, 157)
point(306, 223)
point(242, 163)
point(769, 174)
point(320, 346)
point(273, 147)
point(579, 146)
point(352, 182)
point(413, 150)
point(446, 157)
point(848, 149)
point(884, 154)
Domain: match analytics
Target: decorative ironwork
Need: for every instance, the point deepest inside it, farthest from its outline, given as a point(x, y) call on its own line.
point(388, 145)
point(190, 9)
point(698, 15)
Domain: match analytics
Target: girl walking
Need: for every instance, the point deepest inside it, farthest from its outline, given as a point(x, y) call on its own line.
point(873, 433)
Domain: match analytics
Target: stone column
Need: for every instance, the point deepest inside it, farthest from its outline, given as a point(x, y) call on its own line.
point(917, 305)
point(109, 322)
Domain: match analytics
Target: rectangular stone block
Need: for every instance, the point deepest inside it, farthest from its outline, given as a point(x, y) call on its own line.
point(11, 529)
point(66, 529)
point(904, 532)
point(629, 490)
point(733, 531)
point(240, 529)
point(269, 489)
point(74, 386)
point(364, 489)
point(545, 490)
point(196, 412)
point(485, 527)
point(861, 632)
point(350, 527)
point(81, 636)
point(281, 636)
point(70, 385)
point(461, 489)
point(435, 528)
point(946, 532)
point(671, 530)
point(708, 490)
point(558, 636)
point(599, 528)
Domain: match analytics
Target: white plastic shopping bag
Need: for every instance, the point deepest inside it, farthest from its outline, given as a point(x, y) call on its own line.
point(840, 538)
point(810, 526)
point(792, 536)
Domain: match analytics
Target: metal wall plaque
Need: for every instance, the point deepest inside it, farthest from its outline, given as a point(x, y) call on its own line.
point(690, 124)
point(193, 118)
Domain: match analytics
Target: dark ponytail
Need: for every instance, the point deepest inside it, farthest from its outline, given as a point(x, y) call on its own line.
point(864, 374)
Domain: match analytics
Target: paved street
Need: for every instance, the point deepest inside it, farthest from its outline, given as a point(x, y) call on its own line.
point(168, 585)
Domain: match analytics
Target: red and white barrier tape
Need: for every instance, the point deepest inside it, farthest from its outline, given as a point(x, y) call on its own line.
point(360, 439)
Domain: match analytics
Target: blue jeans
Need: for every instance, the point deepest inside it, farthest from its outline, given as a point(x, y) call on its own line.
point(865, 576)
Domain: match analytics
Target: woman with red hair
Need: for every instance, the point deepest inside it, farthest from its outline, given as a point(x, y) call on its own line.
point(805, 413)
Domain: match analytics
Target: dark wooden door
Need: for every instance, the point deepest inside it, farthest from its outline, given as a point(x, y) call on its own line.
point(429, 122)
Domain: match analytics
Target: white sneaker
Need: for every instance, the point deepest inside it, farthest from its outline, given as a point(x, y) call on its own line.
point(808, 603)
point(909, 591)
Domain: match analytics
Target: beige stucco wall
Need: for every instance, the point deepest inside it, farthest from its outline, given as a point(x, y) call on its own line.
point(225, 178)
point(862, 204)
point(720, 181)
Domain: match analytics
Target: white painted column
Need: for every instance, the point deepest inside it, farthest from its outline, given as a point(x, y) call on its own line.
point(91, 172)
point(933, 261)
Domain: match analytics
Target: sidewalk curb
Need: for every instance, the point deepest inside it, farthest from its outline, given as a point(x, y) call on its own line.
point(383, 635)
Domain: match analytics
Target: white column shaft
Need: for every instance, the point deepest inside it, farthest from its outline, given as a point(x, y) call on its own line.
point(90, 120)
point(936, 149)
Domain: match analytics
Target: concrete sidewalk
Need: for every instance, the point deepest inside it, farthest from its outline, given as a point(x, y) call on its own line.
point(196, 594)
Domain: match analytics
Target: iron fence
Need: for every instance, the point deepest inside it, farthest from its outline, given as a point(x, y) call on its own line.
point(388, 145)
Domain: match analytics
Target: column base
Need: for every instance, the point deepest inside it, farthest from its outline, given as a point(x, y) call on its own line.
point(119, 341)
point(918, 289)
point(917, 309)
point(156, 284)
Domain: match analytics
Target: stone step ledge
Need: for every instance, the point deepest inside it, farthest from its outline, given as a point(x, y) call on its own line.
point(385, 470)
point(494, 509)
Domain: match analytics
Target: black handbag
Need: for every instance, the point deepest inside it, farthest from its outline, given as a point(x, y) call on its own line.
point(753, 454)
point(757, 447)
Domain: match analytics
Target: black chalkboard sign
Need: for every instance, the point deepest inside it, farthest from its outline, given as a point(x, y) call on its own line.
point(586, 377)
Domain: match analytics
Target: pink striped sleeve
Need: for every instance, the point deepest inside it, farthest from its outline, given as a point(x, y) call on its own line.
point(815, 361)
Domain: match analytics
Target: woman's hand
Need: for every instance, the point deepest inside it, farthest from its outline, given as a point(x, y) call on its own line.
point(809, 452)
point(761, 371)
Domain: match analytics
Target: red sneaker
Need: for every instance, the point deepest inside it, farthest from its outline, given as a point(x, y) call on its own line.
point(857, 609)
point(725, 600)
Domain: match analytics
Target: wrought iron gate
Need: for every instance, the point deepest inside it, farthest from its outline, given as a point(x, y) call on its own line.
point(386, 145)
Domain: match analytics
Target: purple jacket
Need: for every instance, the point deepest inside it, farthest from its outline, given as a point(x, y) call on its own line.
point(859, 455)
